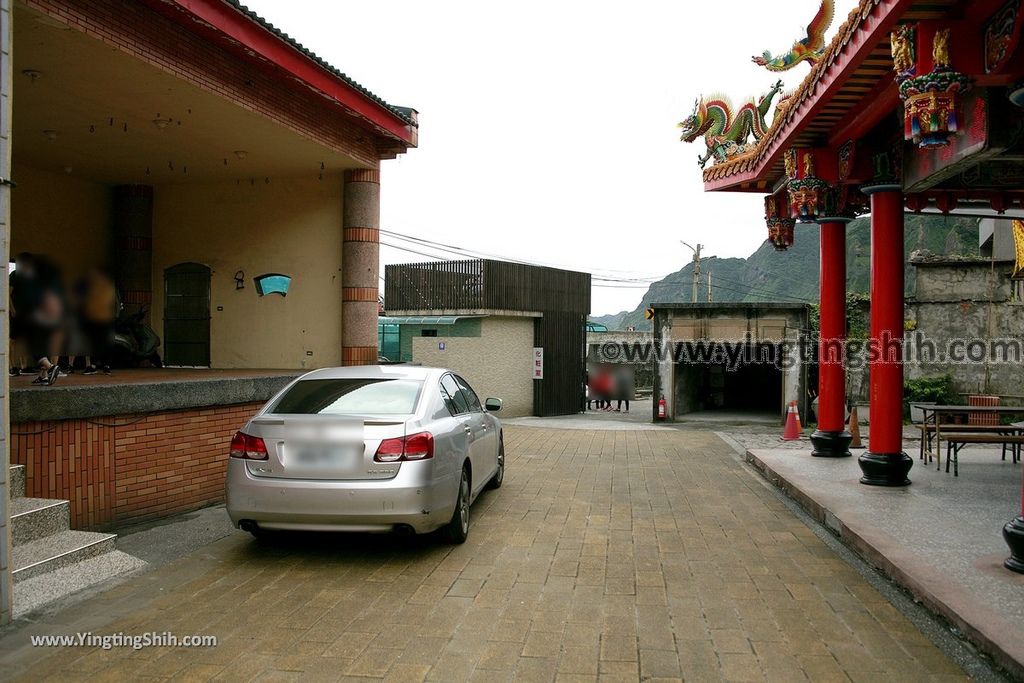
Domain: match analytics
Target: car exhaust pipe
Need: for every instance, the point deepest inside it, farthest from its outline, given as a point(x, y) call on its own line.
point(404, 530)
point(247, 525)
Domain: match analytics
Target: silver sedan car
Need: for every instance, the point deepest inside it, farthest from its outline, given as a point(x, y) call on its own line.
point(372, 448)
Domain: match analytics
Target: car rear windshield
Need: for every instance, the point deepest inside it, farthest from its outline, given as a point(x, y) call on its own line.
point(378, 396)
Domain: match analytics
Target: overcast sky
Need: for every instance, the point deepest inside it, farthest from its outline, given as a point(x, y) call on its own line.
point(547, 129)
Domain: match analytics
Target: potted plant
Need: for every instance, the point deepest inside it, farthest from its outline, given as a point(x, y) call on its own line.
point(927, 391)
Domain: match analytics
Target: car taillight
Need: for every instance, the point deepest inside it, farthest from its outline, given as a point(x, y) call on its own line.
point(414, 447)
point(419, 446)
point(248, 447)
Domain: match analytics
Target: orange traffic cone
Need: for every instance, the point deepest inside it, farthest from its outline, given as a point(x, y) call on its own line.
point(792, 430)
point(855, 429)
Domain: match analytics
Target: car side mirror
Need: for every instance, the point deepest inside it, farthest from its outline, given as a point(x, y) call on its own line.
point(493, 404)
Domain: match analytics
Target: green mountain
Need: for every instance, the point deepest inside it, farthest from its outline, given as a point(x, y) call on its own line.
point(792, 275)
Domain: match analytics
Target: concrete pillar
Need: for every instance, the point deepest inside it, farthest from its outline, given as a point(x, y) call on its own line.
point(360, 266)
point(133, 245)
point(885, 463)
point(831, 438)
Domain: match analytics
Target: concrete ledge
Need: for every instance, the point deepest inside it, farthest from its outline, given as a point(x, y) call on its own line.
point(929, 585)
point(67, 402)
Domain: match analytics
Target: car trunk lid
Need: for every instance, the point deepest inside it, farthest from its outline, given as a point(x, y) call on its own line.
point(324, 447)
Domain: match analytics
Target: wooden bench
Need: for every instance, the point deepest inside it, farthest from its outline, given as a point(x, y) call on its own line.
point(956, 439)
point(938, 423)
point(928, 432)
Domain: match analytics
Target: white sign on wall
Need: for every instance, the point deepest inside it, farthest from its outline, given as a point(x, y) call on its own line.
point(538, 362)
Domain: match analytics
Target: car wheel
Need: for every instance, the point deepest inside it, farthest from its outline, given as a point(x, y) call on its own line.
point(499, 476)
point(458, 528)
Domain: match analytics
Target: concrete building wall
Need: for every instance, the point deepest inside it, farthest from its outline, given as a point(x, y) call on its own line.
point(995, 239)
point(463, 327)
point(289, 226)
point(496, 364)
point(733, 325)
point(63, 217)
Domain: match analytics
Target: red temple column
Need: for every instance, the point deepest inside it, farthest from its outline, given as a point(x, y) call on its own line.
point(885, 463)
point(831, 440)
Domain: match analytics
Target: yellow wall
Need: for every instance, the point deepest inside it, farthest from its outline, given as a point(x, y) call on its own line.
point(289, 226)
point(62, 216)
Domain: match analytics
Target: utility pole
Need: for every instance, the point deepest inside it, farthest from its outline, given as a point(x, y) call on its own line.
point(696, 266)
point(709, 285)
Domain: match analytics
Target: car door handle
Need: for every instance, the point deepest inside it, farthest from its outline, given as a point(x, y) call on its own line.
point(468, 430)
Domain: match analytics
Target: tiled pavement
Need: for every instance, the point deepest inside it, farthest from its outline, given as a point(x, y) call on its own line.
point(611, 555)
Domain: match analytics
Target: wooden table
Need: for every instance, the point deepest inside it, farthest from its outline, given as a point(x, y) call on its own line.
point(932, 416)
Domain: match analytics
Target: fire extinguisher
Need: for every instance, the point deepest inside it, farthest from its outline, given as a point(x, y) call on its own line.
point(661, 408)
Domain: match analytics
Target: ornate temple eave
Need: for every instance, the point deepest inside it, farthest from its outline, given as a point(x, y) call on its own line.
point(865, 28)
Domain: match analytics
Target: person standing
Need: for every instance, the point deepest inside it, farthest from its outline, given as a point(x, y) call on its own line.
point(24, 296)
point(623, 387)
point(97, 311)
point(603, 388)
point(38, 305)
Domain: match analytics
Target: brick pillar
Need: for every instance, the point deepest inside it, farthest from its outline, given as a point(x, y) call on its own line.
point(133, 245)
point(360, 266)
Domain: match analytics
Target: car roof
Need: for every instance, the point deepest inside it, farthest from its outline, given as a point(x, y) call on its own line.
point(416, 372)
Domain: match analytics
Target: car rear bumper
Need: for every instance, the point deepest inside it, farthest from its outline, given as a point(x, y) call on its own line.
point(311, 505)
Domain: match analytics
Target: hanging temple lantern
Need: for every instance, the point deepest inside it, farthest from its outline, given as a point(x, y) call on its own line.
point(931, 100)
point(780, 225)
point(808, 194)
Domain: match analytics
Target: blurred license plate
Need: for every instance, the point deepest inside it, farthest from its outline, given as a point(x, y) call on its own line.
point(317, 456)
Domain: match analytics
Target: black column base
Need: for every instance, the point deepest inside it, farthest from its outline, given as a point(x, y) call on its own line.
point(831, 444)
point(885, 469)
point(1013, 534)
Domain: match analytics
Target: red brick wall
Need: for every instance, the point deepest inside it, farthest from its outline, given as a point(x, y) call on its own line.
point(129, 468)
point(145, 34)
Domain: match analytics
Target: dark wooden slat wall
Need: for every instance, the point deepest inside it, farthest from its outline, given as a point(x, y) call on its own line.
point(562, 297)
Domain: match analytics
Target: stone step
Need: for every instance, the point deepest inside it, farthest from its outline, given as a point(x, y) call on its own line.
point(17, 480)
point(35, 518)
point(38, 591)
point(56, 551)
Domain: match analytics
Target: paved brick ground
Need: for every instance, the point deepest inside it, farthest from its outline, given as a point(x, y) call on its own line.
point(611, 555)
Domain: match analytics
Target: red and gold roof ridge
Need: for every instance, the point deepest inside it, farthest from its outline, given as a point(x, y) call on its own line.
point(786, 111)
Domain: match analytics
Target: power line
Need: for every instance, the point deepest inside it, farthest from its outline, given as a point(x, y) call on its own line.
point(627, 284)
point(463, 252)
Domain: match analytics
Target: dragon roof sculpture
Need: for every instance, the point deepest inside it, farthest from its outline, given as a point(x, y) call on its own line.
point(809, 49)
point(727, 133)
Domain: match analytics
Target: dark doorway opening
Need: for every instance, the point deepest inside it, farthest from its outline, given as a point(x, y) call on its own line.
point(751, 384)
point(187, 315)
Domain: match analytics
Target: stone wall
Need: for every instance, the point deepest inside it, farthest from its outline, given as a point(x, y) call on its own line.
point(643, 371)
point(967, 300)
